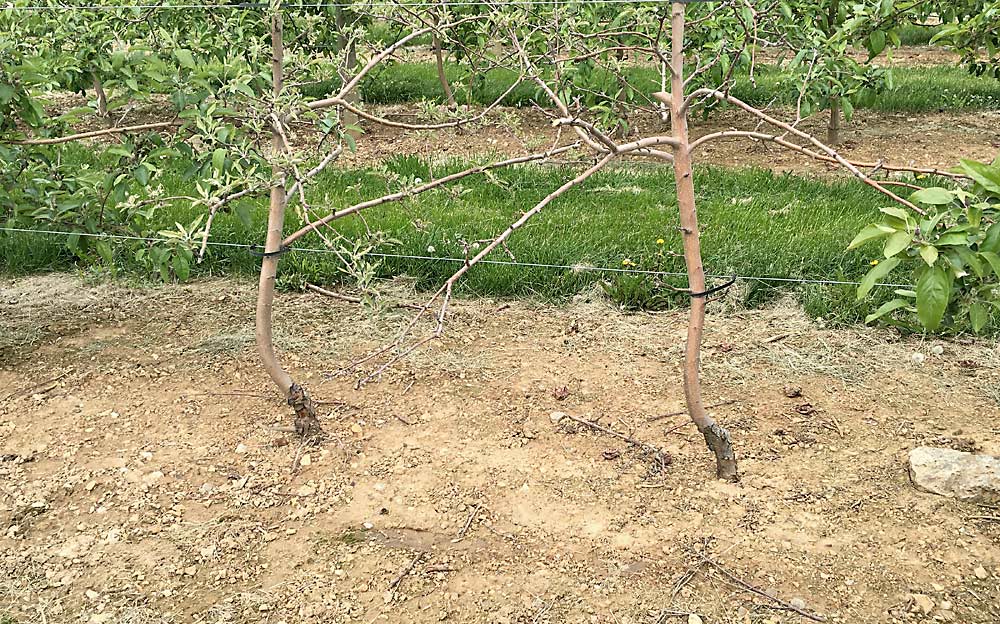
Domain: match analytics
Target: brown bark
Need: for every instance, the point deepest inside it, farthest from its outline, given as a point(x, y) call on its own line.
point(306, 423)
point(348, 117)
point(442, 77)
point(716, 437)
point(833, 125)
point(102, 97)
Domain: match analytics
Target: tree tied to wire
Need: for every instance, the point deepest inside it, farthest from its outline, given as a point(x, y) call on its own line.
point(245, 132)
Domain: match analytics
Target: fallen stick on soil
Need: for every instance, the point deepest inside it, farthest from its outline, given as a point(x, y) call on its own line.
point(468, 523)
point(732, 579)
point(399, 578)
point(657, 452)
point(30, 389)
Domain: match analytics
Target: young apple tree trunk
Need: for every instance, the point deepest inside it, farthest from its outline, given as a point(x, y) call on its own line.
point(346, 45)
point(716, 437)
point(442, 77)
point(833, 126)
point(101, 96)
point(306, 423)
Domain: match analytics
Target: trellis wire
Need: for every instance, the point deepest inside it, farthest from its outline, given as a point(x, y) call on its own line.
point(582, 268)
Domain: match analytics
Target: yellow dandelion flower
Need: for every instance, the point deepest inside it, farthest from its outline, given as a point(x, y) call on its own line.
point(660, 241)
point(874, 262)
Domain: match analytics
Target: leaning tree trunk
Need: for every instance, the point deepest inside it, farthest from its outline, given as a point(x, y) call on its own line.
point(442, 77)
point(306, 423)
point(716, 437)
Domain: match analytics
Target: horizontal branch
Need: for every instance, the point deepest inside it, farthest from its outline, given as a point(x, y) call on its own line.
point(816, 155)
point(725, 97)
point(424, 187)
point(162, 125)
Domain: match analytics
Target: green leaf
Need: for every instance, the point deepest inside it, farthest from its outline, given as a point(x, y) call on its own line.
point(141, 174)
point(219, 159)
point(872, 232)
point(992, 240)
point(181, 268)
point(934, 195)
point(929, 253)
point(185, 57)
point(885, 308)
point(953, 238)
point(876, 42)
point(879, 271)
point(985, 175)
point(893, 211)
point(979, 316)
point(993, 259)
point(104, 250)
point(970, 260)
point(897, 243)
point(933, 295)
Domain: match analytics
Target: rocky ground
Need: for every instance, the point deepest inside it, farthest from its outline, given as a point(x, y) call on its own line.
point(145, 476)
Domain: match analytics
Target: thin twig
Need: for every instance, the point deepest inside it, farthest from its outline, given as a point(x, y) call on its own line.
point(735, 580)
point(468, 523)
point(394, 585)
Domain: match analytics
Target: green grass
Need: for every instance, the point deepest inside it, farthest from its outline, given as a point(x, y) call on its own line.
point(915, 90)
point(755, 223)
point(916, 35)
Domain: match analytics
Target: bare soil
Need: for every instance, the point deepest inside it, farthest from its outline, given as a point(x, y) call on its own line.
point(935, 140)
point(142, 478)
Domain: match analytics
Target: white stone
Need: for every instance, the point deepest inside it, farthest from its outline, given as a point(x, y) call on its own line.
point(556, 417)
point(955, 474)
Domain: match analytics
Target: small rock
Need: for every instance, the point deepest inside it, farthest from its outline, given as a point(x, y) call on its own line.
point(92, 595)
point(264, 608)
point(556, 417)
point(694, 618)
point(356, 429)
point(100, 618)
point(981, 573)
point(306, 460)
point(305, 490)
point(241, 448)
point(798, 603)
point(792, 391)
point(965, 476)
point(923, 603)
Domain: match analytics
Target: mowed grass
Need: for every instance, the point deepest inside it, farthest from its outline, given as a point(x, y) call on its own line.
point(915, 89)
point(755, 223)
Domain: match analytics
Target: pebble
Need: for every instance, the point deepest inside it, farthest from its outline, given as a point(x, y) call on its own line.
point(241, 448)
point(305, 490)
point(92, 595)
point(556, 417)
point(306, 460)
point(923, 603)
point(798, 603)
point(694, 618)
point(356, 428)
point(981, 573)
